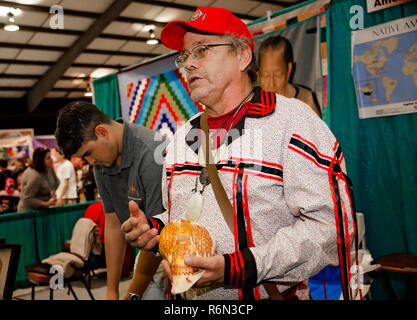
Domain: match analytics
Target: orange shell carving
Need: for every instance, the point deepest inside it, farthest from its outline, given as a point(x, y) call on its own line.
point(183, 238)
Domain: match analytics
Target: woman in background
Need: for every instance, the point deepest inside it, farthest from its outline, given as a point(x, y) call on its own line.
point(39, 182)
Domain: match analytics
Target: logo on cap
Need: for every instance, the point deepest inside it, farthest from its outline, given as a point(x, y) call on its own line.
point(197, 14)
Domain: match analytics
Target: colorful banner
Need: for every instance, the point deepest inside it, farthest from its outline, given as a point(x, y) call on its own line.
point(155, 95)
point(48, 141)
point(10, 133)
point(16, 147)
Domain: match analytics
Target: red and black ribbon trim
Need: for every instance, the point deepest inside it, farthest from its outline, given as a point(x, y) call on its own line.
point(158, 225)
point(240, 270)
point(262, 104)
point(314, 154)
point(341, 239)
point(273, 171)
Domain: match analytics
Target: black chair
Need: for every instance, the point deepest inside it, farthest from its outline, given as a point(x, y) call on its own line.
point(38, 275)
point(41, 274)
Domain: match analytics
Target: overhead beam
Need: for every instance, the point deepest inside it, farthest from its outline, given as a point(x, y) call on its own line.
point(34, 77)
point(79, 33)
point(3, 88)
point(39, 90)
point(76, 13)
point(60, 49)
point(123, 53)
point(19, 76)
point(53, 63)
point(93, 15)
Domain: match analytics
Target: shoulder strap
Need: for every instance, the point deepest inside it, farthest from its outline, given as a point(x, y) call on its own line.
point(221, 196)
point(217, 186)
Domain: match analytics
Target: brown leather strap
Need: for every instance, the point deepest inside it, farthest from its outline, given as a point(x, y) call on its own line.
point(221, 196)
point(217, 186)
point(272, 291)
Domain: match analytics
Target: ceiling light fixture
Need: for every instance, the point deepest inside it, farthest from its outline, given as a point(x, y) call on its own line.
point(88, 92)
point(11, 26)
point(152, 39)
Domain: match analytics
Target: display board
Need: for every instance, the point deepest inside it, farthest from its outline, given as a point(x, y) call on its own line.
point(384, 68)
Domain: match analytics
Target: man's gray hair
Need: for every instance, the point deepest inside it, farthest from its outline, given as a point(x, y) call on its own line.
point(239, 42)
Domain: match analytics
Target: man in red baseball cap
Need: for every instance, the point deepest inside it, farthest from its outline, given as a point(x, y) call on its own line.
point(279, 165)
point(211, 31)
point(206, 19)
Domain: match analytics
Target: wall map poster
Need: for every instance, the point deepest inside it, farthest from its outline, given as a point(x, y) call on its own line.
point(384, 68)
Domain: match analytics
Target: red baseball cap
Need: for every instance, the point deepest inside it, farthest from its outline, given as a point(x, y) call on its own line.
point(207, 19)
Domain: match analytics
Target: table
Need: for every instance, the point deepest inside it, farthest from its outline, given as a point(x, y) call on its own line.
point(405, 263)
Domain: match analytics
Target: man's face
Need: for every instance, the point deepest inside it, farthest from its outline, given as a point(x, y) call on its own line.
point(209, 77)
point(273, 71)
point(101, 151)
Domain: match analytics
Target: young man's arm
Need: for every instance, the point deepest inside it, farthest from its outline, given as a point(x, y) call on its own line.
point(59, 201)
point(146, 267)
point(115, 247)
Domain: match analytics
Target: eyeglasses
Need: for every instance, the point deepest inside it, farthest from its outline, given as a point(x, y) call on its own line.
point(198, 52)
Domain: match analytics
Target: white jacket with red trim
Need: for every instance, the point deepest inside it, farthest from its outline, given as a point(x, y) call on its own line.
point(290, 196)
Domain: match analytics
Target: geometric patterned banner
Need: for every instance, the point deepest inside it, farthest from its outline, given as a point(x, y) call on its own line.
point(156, 96)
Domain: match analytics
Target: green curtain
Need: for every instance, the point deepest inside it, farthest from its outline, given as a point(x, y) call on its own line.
point(380, 152)
point(18, 228)
point(106, 95)
point(53, 227)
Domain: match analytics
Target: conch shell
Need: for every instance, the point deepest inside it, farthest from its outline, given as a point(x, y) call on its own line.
point(179, 239)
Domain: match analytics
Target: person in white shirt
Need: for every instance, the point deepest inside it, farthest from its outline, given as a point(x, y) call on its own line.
point(67, 189)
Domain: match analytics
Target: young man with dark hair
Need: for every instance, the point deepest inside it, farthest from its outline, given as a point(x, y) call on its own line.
point(126, 168)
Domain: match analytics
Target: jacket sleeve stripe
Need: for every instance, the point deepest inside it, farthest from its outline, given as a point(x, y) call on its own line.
point(237, 270)
point(240, 270)
point(312, 146)
point(246, 211)
point(340, 234)
point(345, 215)
point(349, 192)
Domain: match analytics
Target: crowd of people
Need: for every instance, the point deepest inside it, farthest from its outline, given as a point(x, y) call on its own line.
point(34, 183)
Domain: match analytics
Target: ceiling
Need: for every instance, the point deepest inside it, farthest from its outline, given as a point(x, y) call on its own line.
point(98, 37)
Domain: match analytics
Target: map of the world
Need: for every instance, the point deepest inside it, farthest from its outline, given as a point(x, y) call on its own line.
point(385, 70)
